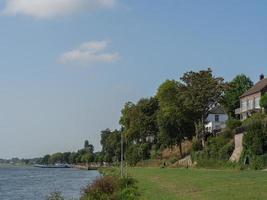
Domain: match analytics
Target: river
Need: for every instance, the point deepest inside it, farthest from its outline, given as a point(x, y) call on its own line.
point(29, 183)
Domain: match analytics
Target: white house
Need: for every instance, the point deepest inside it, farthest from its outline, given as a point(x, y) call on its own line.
point(216, 119)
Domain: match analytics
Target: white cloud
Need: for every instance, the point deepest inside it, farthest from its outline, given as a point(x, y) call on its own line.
point(89, 52)
point(45, 9)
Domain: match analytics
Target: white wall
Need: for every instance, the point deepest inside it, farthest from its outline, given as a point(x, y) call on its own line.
point(222, 117)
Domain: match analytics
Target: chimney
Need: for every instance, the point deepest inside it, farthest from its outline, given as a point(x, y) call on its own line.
point(261, 77)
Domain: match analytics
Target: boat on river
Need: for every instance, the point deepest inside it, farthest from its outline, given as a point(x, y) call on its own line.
point(53, 166)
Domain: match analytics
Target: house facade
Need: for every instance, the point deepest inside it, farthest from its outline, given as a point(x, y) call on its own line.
point(250, 100)
point(216, 120)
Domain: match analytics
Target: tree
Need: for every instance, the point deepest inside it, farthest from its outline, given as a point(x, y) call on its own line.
point(56, 158)
point(263, 102)
point(240, 84)
point(139, 121)
point(173, 117)
point(111, 143)
point(203, 91)
point(45, 160)
point(86, 144)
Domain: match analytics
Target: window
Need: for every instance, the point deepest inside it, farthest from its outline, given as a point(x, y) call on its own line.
point(217, 118)
point(244, 105)
point(250, 104)
point(257, 102)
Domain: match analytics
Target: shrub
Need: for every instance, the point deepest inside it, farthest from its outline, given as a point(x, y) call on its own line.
point(197, 145)
point(101, 189)
point(254, 141)
point(232, 124)
point(257, 163)
point(128, 189)
point(263, 102)
point(228, 134)
point(214, 145)
point(128, 194)
point(111, 188)
point(226, 151)
point(133, 155)
point(154, 152)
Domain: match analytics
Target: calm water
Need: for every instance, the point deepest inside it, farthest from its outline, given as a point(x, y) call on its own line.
point(36, 184)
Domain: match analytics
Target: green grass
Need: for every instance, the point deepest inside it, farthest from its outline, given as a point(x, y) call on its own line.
point(200, 184)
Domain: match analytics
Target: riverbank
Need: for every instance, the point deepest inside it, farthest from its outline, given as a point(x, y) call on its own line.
point(199, 184)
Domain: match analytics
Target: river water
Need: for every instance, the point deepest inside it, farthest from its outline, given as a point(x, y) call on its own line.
point(35, 184)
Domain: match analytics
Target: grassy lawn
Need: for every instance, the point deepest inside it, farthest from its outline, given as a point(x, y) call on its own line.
point(200, 184)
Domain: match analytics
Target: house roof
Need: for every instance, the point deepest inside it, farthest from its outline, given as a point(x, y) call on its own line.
point(258, 87)
point(217, 110)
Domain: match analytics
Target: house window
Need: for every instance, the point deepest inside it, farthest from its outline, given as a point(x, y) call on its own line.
point(257, 102)
point(250, 104)
point(217, 118)
point(244, 105)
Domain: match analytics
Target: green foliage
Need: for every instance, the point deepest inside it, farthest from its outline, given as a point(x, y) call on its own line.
point(226, 151)
point(232, 123)
point(263, 102)
point(240, 84)
point(215, 154)
point(227, 133)
point(254, 141)
point(202, 91)
point(257, 162)
point(133, 155)
point(139, 120)
point(82, 156)
point(197, 145)
point(174, 119)
point(56, 158)
point(111, 188)
point(111, 145)
point(101, 189)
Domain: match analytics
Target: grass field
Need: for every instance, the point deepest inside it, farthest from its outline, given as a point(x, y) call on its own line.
point(200, 184)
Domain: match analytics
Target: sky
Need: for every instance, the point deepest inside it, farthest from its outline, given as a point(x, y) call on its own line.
point(67, 67)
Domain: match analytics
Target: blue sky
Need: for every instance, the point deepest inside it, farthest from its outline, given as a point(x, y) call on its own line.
point(68, 67)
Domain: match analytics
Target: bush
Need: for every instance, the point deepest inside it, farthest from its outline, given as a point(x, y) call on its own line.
point(101, 189)
point(263, 102)
point(197, 145)
point(232, 124)
point(111, 188)
point(254, 141)
point(133, 155)
point(228, 134)
point(226, 151)
point(128, 189)
point(257, 163)
point(214, 146)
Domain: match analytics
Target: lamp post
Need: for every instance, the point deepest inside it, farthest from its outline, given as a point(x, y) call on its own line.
point(121, 170)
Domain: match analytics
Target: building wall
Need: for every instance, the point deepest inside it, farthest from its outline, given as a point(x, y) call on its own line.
point(222, 117)
point(249, 103)
point(215, 125)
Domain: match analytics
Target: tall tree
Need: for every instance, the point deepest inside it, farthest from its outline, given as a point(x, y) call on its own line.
point(173, 117)
point(203, 91)
point(240, 84)
point(139, 121)
point(111, 143)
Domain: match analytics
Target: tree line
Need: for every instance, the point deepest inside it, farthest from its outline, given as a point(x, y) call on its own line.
point(83, 156)
point(177, 112)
